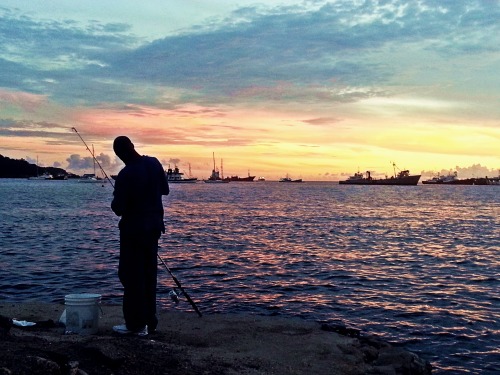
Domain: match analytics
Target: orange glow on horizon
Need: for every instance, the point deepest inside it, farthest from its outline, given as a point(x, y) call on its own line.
point(266, 143)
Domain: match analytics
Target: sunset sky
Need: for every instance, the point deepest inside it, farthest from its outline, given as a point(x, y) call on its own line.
point(313, 89)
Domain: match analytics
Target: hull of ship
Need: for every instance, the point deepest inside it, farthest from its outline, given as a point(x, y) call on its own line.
point(468, 181)
point(216, 181)
point(40, 178)
point(240, 179)
point(183, 181)
point(410, 180)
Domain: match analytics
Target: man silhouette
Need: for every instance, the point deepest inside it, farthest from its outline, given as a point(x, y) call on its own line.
point(137, 198)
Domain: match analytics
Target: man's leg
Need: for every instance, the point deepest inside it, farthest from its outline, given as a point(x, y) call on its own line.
point(151, 273)
point(132, 276)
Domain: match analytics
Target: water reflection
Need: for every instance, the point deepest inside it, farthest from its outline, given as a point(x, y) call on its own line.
point(416, 264)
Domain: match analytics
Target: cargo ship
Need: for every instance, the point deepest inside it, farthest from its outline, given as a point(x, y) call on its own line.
point(400, 178)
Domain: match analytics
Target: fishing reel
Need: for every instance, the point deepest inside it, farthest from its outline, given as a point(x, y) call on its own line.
point(174, 295)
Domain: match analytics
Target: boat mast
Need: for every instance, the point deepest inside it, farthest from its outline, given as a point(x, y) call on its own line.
point(93, 156)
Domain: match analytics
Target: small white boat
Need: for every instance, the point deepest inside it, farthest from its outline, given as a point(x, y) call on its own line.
point(91, 178)
point(176, 177)
point(45, 176)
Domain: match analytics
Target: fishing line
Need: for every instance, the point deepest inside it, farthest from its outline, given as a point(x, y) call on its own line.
point(93, 156)
point(173, 294)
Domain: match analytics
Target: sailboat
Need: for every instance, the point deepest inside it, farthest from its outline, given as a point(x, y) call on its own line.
point(91, 177)
point(44, 176)
point(215, 177)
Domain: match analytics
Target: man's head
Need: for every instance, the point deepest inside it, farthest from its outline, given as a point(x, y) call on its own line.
point(124, 149)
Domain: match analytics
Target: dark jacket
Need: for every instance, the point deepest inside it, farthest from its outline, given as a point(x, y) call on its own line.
point(138, 196)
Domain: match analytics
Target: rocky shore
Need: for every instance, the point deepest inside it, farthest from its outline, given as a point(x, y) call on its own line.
point(186, 344)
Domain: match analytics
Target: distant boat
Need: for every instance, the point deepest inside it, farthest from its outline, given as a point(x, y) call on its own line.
point(454, 180)
point(92, 177)
point(451, 178)
point(44, 176)
point(215, 177)
point(60, 176)
point(177, 177)
point(401, 178)
point(494, 181)
point(240, 179)
point(261, 179)
point(288, 179)
point(358, 176)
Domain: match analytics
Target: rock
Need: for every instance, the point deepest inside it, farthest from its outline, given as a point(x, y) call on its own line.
point(5, 325)
point(185, 344)
point(36, 366)
point(402, 361)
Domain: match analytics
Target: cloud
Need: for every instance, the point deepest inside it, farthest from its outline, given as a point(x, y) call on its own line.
point(311, 51)
point(473, 171)
point(172, 161)
point(76, 162)
point(322, 121)
point(26, 101)
point(51, 132)
point(30, 160)
point(56, 57)
point(79, 163)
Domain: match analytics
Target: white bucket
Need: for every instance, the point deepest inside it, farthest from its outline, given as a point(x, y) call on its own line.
point(82, 313)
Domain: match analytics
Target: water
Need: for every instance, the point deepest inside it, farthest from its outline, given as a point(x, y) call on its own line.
point(415, 265)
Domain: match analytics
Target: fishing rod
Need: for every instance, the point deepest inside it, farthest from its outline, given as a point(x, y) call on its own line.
point(93, 156)
point(174, 295)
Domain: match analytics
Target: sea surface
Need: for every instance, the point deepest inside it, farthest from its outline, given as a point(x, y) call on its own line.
point(415, 265)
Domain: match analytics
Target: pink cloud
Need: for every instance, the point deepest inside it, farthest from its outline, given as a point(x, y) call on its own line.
point(28, 102)
point(322, 120)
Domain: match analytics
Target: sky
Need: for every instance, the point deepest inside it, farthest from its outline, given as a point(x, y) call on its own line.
point(311, 89)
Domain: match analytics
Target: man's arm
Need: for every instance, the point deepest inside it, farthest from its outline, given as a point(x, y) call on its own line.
point(164, 188)
point(119, 194)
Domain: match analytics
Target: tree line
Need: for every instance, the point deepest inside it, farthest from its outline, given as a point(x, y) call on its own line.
point(20, 168)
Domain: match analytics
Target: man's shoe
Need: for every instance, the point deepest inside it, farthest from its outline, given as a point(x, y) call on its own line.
point(152, 327)
point(123, 330)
